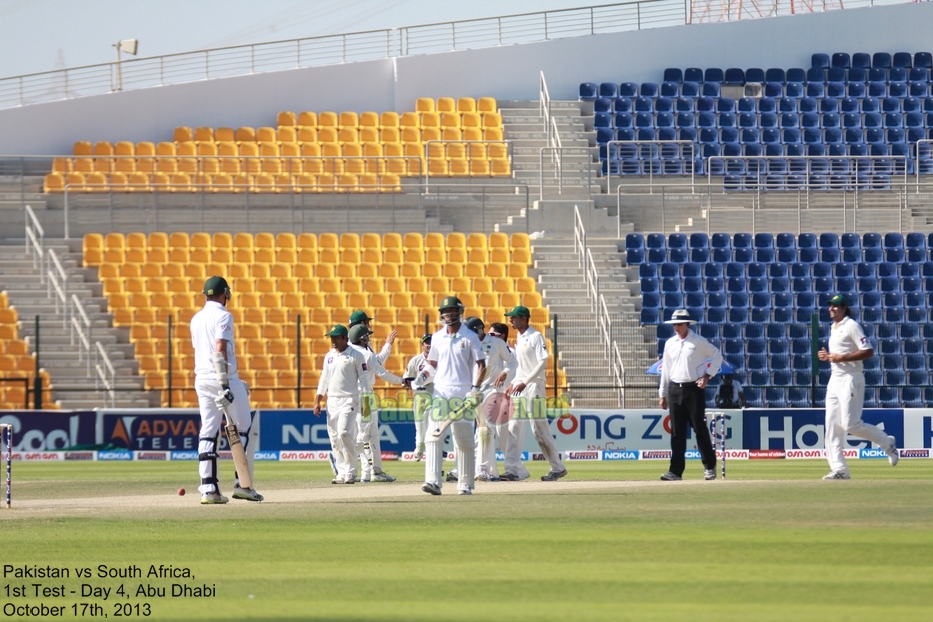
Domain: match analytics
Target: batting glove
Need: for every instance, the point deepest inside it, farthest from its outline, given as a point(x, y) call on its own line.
point(476, 395)
point(224, 398)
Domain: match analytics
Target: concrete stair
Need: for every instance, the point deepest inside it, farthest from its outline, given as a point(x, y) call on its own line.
point(73, 386)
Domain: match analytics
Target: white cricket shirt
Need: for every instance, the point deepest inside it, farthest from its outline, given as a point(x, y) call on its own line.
point(456, 356)
point(211, 323)
point(529, 350)
point(685, 360)
point(344, 374)
point(415, 365)
point(374, 367)
point(847, 337)
point(499, 358)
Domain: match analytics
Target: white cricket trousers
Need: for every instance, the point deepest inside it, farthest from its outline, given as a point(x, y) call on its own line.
point(525, 410)
point(420, 407)
point(341, 428)
point(493, 402)
point(462, 432)
point(845, 396)
point(211, 415)
point(368, 444)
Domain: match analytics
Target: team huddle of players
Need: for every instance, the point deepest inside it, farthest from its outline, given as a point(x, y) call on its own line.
point(466, 380)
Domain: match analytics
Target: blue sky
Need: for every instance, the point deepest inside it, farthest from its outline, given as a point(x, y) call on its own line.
point(43, 35)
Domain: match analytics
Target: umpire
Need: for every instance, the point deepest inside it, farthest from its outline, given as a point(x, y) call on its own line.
point(685, 373)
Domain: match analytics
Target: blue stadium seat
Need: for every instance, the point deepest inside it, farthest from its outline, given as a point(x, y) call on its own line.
point(628, 89)
point(609, 89)
point(588, 90)
point(690, 89)
point(673, 74)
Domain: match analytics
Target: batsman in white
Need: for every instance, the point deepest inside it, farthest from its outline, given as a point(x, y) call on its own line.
point(423, 386)
point(368, 439)
point(343, 378)
point(500, 368)
point(845, 392)
point(219, 388)
point(529, 397)
point(459, 365)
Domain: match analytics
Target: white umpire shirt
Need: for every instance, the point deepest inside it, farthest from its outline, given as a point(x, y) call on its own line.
point(847, 337)
point(499, 358)
point(685, 360)
point(529, 350)
point(456, 356)
point(211, 323)
point(344, 374)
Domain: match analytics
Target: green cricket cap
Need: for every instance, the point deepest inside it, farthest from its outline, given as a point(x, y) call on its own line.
point(359, 316)
point(339, 330)
point(215, 285)
point(839, 301)
point(425, 338)
point(519, 310)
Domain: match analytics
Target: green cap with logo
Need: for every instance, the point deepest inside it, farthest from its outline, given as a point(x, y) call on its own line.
point(839, 301)
point(519, 310)
point(425, 338)
point(215, 286)
point(339, 330)
point(359, 316)
point(358, 332)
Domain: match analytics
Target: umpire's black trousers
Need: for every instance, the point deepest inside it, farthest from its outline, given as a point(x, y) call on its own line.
point(687, 404)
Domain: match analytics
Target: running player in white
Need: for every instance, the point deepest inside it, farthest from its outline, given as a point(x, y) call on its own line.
point(343, 378)
point(529, 385)
point(500, 368)
point(845, 393)
point(423, 387)
point(459, 365)
point(368, 439)
point(219, 389)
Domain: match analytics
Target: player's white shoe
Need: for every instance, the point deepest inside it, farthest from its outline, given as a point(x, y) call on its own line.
point(709, 474)
point(431, 488)
point(213, 498)
point(451, 476)
point(893, 453)
point(382, 476)
point(837, 475)
point(246, 493)
point(486, 476)
point(465, 491)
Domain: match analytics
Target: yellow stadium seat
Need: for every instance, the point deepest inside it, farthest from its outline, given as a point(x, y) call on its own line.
point(183, 134)
point(521, 255)
point(466, 104)
point(54, 182)
point(349, 119)
point(286, 118)
point(474, 270)
point(401, 300)
point(393, 256)
point(328, 119)
point(479, 168)
point(452, 270)
point(307, 119)
point(388, 271)
point(83, 148)
point(428, 269)
point(438, 168)
point(430, 133)
point(488, 300)
point(446, 104)
point(368, 270)
point(493, 134)
point(224, 134)
point(487, 104)
point(471, 120)
point(389, 119)
point(424, 104)
point(411, 119)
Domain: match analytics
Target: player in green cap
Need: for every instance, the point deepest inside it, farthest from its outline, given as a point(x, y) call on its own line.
point(343, 377)
point(368, 439)
point(845, 392)
point(528, 395)
point(360, 317)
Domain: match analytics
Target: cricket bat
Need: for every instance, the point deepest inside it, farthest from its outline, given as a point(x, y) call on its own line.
point(239, 456)
point(456, 416)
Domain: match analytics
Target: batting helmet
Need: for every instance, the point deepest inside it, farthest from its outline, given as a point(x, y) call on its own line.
point(451, 317)
point(358, 332)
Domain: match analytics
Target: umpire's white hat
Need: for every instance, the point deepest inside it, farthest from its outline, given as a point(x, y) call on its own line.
point(681, 316)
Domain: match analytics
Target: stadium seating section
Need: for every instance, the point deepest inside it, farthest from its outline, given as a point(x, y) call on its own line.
point(754, 297)
point(16, 362)
point(306, 152)
point(847, 122)
point(321, 279)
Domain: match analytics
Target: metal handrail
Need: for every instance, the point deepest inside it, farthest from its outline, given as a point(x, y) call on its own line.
point(59, 297)
point(108, 386)
point(84, 341)
point(583, 151)
point(579, 237)
point(36, 250)
point(340, 48)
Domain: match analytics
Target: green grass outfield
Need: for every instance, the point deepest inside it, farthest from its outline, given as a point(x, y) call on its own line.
point(772, 543)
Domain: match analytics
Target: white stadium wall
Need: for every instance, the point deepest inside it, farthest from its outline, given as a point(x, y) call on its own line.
point(507, 72)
